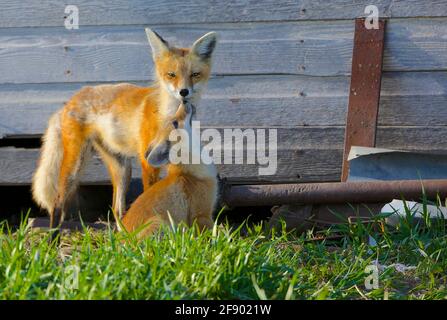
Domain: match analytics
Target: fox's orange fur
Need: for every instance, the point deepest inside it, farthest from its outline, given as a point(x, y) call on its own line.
point(188, 193)
point(119, 121)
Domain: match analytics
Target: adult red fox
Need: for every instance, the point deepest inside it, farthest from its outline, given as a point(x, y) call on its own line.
point(119, 121)
point(188, 193)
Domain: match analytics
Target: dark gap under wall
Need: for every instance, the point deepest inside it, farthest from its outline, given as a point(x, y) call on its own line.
point(17, 200)
point(94, 201)
point(25, 141)
point(253, 214)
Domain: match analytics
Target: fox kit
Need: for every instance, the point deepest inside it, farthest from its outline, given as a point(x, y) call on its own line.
point(188, 192)
point(119, 121)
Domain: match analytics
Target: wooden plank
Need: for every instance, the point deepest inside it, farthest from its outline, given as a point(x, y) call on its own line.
point(121, 12)
point(298, 165)
point(18, 165)
point(304, 154)
point(364, 91)
point(407, 99)
point(228, 101)
point(320, 48)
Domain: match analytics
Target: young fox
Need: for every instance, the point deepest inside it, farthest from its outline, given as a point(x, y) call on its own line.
point(188, 193)
point(119, 121)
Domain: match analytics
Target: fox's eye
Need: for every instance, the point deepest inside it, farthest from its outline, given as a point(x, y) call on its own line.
point(175, 124)
point(171, 74)
point(195, 74)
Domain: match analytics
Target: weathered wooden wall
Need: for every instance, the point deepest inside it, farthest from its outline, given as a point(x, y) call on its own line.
point(279, 64)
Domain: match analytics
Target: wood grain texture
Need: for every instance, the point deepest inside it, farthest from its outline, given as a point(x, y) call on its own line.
point(17, 167)
point(282, 64)
point(407, 99)
point(317, 48)
point(304, 154)
point(122, 12)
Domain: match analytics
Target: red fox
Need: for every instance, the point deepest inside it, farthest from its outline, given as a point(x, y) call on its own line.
point(119, 121)
point(188, 193)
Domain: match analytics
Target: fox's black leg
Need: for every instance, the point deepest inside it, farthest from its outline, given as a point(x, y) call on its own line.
point(55, 223)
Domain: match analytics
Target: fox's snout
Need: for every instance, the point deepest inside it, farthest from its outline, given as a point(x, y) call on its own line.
point(184, 93)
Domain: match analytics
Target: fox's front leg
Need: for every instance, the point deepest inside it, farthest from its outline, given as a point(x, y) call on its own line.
point(149, 175)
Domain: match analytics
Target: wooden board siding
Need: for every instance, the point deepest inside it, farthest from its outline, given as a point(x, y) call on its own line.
point(304, 154)
point(314, 48)
point(408, 99)
point(279, 64)
point(124, 12)
point(18, 165)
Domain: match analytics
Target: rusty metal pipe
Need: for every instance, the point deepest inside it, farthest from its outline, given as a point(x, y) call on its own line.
point(332, 193)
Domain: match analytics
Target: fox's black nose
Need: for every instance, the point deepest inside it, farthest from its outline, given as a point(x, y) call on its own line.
point(184, 92)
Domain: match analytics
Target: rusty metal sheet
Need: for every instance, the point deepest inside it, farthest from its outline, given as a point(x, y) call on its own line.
point(364, 91)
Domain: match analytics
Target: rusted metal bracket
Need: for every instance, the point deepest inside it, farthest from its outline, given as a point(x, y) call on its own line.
point(364, 93)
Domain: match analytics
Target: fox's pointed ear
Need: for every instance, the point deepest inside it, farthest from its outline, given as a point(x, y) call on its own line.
point(158, 44)
point(205, 45)
point(159, 155)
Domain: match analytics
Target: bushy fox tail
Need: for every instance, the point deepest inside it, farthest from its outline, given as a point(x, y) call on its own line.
point(45, 179)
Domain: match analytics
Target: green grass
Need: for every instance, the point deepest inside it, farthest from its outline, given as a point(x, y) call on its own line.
point(227, 263)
